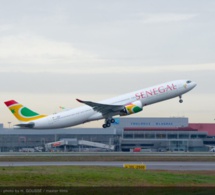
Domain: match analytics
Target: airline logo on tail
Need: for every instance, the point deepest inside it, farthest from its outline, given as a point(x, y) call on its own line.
point(22, 113)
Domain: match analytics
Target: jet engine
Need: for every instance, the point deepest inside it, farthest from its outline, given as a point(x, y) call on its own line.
point(132, 108)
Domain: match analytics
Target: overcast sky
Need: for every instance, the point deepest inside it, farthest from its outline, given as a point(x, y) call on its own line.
point(54, 51)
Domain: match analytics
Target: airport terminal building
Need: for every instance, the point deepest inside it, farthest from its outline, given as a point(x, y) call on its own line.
point(161, 134)
point(126, 134)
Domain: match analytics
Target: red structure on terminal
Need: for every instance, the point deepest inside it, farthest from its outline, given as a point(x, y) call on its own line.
point(201, 127)
point(204, 127)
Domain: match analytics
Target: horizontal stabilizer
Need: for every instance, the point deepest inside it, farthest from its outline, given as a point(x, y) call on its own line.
point(27, 125)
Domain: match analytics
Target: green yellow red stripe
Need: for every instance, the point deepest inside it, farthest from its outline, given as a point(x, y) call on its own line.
point(22, 113)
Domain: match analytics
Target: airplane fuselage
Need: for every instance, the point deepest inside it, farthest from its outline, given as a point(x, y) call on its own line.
point(141, 97)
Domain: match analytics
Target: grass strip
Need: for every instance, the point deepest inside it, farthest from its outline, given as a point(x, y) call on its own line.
point(84, 176)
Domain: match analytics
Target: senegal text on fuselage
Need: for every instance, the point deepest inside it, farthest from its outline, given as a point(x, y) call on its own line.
point(155, 91)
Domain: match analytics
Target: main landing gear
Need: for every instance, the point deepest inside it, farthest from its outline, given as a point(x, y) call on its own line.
point(180, 99)
point(108, 122)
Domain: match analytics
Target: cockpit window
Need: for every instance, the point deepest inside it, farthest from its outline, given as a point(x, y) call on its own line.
point(188, 82)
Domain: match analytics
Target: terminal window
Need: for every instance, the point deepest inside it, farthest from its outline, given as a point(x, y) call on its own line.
point(149, 136)
point(172, 136)
point(193, 136)
point(128, 135)
point(161, 136)
point(201, 136)
point(139, 135)
point(183, 136)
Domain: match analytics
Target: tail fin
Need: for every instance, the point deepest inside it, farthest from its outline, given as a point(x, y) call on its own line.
point(22, 113)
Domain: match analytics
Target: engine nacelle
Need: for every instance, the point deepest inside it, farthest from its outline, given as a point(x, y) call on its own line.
point(132, 108)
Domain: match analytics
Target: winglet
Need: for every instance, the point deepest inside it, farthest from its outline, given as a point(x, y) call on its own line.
point(80, 101)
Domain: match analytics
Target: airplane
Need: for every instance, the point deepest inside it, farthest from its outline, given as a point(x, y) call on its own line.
point(122, 105)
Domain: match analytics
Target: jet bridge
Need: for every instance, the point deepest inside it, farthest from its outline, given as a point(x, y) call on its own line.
point(75, 142)
point(95, 144)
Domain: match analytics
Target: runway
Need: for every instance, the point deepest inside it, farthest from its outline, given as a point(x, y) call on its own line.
point(203, 166)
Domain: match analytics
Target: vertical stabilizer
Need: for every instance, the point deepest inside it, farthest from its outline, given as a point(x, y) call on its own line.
point(21, 112)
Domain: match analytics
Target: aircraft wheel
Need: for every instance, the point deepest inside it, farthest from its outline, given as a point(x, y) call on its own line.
point(104, 125)
point(108, 121)
point(112, 120)
point(181, 101)
point(108, 124)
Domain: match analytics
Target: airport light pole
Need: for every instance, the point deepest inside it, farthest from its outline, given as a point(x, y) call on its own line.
point(9, 124)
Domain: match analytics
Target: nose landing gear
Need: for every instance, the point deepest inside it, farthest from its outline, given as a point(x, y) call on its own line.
point(108, 122)
point(180, 99)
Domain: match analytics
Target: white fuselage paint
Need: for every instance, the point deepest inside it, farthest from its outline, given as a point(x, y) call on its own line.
point(147, 96)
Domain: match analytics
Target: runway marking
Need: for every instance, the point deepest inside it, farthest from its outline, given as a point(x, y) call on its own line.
point(135, 166)
point(150, 165)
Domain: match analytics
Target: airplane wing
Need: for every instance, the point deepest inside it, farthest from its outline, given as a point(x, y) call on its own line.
point(105, 109)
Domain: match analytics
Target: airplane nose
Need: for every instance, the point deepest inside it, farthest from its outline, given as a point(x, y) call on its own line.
point(193, 84)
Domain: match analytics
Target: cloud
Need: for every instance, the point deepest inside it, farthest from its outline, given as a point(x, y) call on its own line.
point(5, 27)
point(35, 50)
point(126, 69)
point(166, 17)
point(102, 67)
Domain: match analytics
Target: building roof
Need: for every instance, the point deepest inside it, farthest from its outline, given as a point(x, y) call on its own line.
point(159, 129)
point(72, 131)
point(205, 127)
